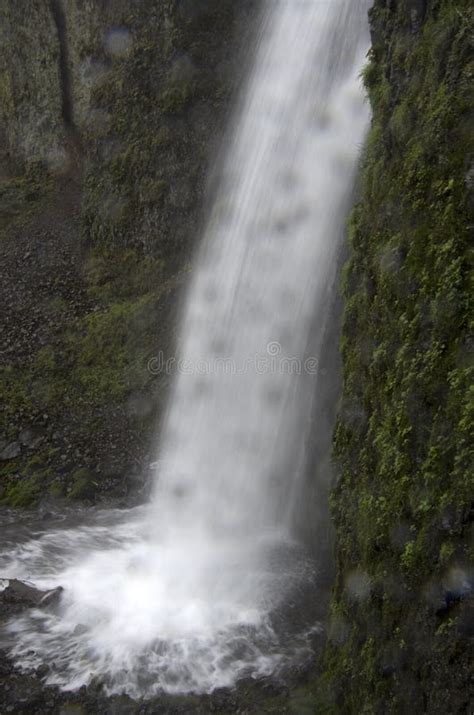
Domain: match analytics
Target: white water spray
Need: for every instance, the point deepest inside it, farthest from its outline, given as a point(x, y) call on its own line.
point(182, 596)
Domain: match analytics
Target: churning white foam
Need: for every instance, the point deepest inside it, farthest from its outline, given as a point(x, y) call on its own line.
point(144, 617)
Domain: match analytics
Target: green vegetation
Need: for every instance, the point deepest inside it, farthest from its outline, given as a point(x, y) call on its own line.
point(403, 441)
point(83, 486)
point(145, 188)
point(25, 487)
point(22, 195)
point(91, 368)
point(125, 186)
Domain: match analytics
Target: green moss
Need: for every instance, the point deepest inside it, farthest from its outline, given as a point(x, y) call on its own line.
point(145, 183)
point(56, 489)
point(25, 482)
point(25, 493)
point(114, 275)
point(108, 358)
point(151, 190)
point(83, 484)
point(446, 551)
point(175, 98)
point(22, 196)
point(402, 440)
point(14, 395)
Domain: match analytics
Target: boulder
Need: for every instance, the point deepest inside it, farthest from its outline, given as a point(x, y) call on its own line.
point(18, 595)
point(31, 437)
point(11, 451)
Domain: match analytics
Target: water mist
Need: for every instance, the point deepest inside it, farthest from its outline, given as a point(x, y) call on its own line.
point(187, 593)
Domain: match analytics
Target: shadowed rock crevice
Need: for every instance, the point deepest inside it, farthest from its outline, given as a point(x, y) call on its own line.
point(59, 18)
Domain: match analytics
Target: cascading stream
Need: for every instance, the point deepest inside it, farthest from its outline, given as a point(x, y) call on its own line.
point(187, 593)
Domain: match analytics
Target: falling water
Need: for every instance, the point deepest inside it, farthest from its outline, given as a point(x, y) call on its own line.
point(187, 593)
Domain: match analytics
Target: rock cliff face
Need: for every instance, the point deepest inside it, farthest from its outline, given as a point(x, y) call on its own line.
point(402, 614)
point(31, 124)
point(109, 114)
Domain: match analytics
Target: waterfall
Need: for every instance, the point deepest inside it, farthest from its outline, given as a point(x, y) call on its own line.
point(187, 593)
point(263, 272)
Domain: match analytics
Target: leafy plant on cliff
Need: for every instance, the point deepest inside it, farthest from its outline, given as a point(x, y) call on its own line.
point(403, 441)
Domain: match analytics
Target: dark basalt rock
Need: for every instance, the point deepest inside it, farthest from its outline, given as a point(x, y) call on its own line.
point(19, 595)
point(11, 451)
point(31, 438)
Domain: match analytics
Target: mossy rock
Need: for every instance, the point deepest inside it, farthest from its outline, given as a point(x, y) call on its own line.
point(56, 489)
point(83, 485)
point(403, 440)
